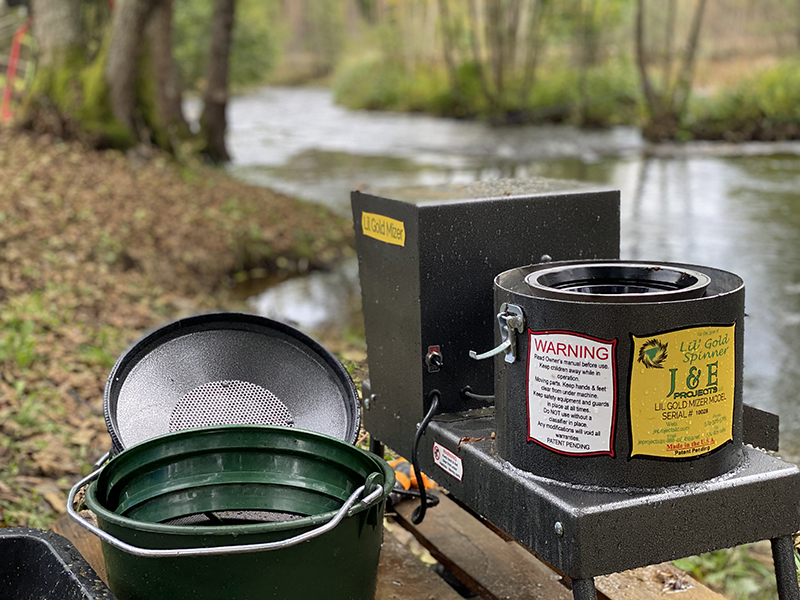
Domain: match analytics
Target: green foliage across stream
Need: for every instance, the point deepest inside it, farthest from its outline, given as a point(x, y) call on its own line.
point(762, 107)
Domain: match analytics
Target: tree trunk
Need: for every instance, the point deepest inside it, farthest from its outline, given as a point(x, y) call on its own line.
point(215, 100)
point(587, 54)
point(58, 30)
point(797, 22)
point(127, 91)
point(667, 106)
point(449, 47)
point(122, 63)
point(169, 99)
point(669, 42)
point(534, 39)
point(683, 86)
point(653, 104)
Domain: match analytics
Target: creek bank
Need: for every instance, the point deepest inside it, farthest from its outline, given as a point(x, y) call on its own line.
point(97, 248)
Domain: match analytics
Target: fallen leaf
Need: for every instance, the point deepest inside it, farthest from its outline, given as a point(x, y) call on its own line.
point(50, 491)
point(468, 440)
point(7, 494)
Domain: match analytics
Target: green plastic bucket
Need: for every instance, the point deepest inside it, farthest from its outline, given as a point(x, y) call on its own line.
point(326, 498)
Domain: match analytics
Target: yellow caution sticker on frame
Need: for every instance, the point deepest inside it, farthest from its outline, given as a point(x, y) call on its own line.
point(383, 228)
point(681, 394)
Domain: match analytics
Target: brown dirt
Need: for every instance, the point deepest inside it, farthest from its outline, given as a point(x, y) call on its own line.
point(96, 248)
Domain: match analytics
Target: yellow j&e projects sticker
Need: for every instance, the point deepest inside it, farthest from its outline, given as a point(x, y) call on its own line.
point(681, 394)
point(384, 229)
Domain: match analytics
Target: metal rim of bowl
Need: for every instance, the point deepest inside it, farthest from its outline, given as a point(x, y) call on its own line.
point(618, 282)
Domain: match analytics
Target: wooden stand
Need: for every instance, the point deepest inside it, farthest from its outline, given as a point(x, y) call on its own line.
point(488, 563)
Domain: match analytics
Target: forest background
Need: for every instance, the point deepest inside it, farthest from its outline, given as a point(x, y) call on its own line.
point(100, 246)
point(679, 69)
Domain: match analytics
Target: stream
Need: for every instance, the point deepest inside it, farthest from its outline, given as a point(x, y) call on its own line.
point(732, 207)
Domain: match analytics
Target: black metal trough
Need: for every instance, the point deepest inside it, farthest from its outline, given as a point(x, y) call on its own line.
point(41, 565)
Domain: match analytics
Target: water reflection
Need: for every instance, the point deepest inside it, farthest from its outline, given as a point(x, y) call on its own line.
point(704, 205)
point(297, 141)
point(316, 303)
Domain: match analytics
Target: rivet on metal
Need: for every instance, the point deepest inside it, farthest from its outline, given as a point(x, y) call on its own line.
point(559, 529)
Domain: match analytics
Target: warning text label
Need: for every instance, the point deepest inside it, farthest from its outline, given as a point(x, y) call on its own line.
point(448, 461)
point(571, 392)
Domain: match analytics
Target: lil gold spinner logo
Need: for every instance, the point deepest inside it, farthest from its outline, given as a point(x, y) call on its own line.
point(652, 354)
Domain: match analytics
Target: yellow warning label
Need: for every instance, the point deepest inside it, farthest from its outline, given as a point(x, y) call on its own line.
point(383, 228)
point(681, 395)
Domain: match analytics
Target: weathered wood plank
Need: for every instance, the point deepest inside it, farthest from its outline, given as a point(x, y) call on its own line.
point(401, 575)
point(86, 543)
point(492, 567)
point(497, 568)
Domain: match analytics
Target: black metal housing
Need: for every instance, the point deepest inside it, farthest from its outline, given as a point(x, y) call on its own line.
point(609, 531)
point(600, 316)
point(427, 303)
point(433, 294)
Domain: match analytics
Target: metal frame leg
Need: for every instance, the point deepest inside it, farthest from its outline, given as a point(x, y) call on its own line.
point(785, 570)
point(583, 589)
point(375, 446)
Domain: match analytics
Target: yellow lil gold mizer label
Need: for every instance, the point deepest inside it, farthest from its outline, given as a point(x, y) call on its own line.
point(681, 392)
point(383, 228)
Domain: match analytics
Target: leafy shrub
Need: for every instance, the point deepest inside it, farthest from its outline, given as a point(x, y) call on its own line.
point(764, 106)
point(739, 573)
point(372, 82)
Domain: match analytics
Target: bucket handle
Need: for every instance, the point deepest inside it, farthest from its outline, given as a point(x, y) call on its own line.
point(218, 550)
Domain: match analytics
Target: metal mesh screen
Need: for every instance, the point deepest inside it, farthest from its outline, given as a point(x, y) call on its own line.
point(229, 402)
point(233, 517)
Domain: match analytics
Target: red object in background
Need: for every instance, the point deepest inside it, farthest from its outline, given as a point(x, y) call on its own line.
point(11, 72)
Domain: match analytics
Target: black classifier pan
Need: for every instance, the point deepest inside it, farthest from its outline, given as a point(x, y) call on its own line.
point(227, 368)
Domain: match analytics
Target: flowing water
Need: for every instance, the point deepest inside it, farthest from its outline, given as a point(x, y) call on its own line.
point(734, 208)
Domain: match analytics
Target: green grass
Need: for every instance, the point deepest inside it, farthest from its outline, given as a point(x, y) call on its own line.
point(740, 573)
point(17, 344)
point(763, 106)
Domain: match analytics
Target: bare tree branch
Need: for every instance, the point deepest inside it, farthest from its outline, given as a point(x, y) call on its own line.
point(669, 38)
point(449, 47)
point(684, 83)
point(653, 105)
point(532, 49)
point(476, 53)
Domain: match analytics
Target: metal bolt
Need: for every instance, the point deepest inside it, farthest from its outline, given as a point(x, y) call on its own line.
point(546, 258)
point(368, 401)
point(559, 529)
